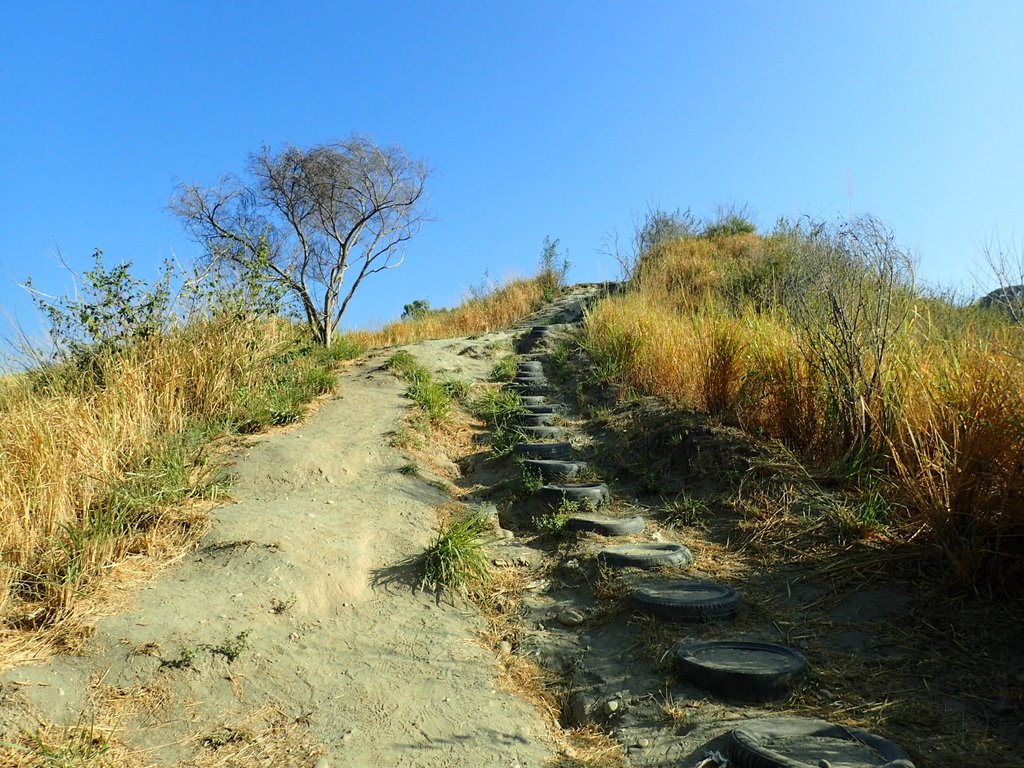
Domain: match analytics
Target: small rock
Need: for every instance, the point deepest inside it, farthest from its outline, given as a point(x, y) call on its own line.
point(329, 501)
point(570, 618)
point(824, 764)
point(499, 563)
point(643, 743)
point(611, 706)
point(505, 646)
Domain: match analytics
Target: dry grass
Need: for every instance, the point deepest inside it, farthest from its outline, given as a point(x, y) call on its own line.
point(504, 307)
point(97, 462)
point(946, 439)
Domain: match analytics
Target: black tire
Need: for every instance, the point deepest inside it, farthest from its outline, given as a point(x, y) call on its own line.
point(538, 381)
point(529, 389)
point(531, 366)
point(542, 408)
point(764, 744)
point(686, 600)
point(538, 419)
point(736, 670)
point(594, 494)
point(543, 450)
point(534, 400)
point(543, 433)
point(553, 470)
point(605, 525)
point(646, 555)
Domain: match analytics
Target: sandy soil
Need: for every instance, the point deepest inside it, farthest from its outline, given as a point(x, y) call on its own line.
point(291, 636)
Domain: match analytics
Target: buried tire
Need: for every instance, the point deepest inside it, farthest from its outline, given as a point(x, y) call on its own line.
point(796, 742)
point(543, 433)
point(605, 524)
point(686, 600)
point(543, 450)
point(594, 494)
point(751, 672)
point(646, 555)
point(553, 469)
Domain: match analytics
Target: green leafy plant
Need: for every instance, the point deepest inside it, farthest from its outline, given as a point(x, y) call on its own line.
point(114, 309)
point(532, 480)
point(232, 647)
point(554, 521)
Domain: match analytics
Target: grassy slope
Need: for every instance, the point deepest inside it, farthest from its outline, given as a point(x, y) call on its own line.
point(97, 465)
point(704, 327)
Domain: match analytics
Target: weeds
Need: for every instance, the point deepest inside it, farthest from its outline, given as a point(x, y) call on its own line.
point(456, 560)
point(531, 480)
point(554, 521)
point(505, 369)
point(500, 410)
point(433, 398)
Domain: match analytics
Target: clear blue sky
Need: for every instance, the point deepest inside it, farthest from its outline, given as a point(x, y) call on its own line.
point(559, 119)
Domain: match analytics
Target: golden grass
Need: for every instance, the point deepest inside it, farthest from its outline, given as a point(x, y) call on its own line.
point(504, 307)
point(949, 436)
point(72, 439)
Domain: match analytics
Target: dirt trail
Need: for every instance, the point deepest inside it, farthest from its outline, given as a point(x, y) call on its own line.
point(336, 661)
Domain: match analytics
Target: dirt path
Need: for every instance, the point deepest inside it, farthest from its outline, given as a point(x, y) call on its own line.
point(290, 637)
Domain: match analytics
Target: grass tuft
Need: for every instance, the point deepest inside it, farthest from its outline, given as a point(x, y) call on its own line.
point(456, 561)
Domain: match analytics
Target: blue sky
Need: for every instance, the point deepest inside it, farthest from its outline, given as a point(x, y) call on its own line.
point(560, 119)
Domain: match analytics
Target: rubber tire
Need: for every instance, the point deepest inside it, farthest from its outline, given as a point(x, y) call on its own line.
point(542, 408)
point(530, 389)
point(674, 600)
point(586, 493)
point(538, 419)
point(606, 525)
point(534, 400)
point(742, 684)
point(745, 746)
point(646, 555)
point(553, 469)
point(543, 450)
point(544, 433)
point(530, 366)
point(530, 382)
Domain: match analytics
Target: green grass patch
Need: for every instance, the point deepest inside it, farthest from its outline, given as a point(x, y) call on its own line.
point(456, 561)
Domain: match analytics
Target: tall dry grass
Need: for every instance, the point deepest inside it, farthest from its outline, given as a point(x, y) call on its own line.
point(504, 307)
point(700, 329)
point(78, 443)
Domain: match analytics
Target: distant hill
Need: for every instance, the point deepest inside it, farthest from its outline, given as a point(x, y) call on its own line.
point(1009, 298)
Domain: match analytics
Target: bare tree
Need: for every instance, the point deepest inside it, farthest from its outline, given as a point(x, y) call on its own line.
point(314, 222)
point(848, 292)
point(1005, 262)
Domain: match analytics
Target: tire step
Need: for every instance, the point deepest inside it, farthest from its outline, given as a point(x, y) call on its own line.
point(646, 555)
point(741, 671)
point(686, 600)
point(606, 525)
